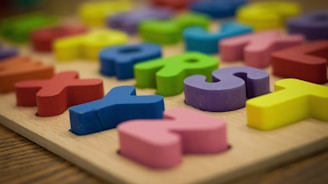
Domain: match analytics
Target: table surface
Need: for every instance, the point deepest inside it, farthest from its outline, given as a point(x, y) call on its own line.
point(22, 161)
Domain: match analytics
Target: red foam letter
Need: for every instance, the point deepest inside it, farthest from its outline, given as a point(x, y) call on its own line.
point(306, 62)
point(54, 96)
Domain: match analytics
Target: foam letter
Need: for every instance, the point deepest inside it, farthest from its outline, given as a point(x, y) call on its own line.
point(199, 39)
point(87, 46)
point(42, 39)
point(293, 101)
point(16, 69)
point(54, 96)
point(256, 48)
point(217, 8)
point(161, 143)
point(129, 21)
point(120, 60)
point(313, 25)
point(167, 74)
point(120, 104)
point(229, 91)
point(306, 62)
point(168, 32)
point(267, 15)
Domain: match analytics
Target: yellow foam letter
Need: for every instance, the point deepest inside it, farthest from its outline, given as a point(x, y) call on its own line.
point(292, 101)
point(87, 46)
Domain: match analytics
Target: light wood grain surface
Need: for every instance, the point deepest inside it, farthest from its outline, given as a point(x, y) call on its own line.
point(22, 161)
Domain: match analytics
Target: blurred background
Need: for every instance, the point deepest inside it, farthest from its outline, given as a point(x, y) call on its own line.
point(70, 7)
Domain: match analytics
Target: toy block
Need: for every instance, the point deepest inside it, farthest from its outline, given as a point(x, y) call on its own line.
point(293, 100)
point(18, 29)
point(306, 62)
point(129, 21)
point(7, 52)
point(95, 13)
point(15, 69)
point(230, 89)
point(267, 15)
point(217, 9)
point(167, 74)
point(169, 32)
point(256, 48)
point(199, 39)
point(87, 46)
point(313, 25)
point(53, 96)
point(160, 144)
point(177, 5)
point(119, 105)
point(119, 60)
point(42, 39)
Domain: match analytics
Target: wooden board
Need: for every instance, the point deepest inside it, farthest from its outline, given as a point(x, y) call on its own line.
point(252, 150)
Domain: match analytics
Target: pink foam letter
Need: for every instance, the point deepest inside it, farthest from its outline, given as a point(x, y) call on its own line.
point(256, 48)
point(161, 143)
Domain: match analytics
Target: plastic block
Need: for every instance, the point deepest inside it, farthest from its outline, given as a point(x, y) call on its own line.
point(217, 8)
point(313, 25)
point(174, 4)
point(119, 60)
point(42, 39)
point(7, 52)
point(169, 32)
point(129, 21)
point(255, 49)
point(119, 105)
point(267, 15)
point(161, 143)
point(306, 62)
point(87, 46)
point(293, 100)
point(95, 13)
point(16, 69)
point(19, 28)
point(199, 39)
point(229, 91)
point(167, 74)
point(53, 96)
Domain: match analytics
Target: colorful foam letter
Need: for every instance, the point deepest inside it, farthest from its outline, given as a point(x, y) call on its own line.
point(42, 39)
point(7, 52)
point(120, 60)
point(52, 97)
point(16, 69)
point(256, 48)
point(293, 101)
point(231, 88)
point(161, 143)
point(199, 39)
point(18, 29)
point(120, 104)
point(174, 4)
point(129, 21)
point(167, 74)
point(95, 13)
point(313, 25)
point(306, 62)
point(168, 32)
point(217, 8)
point(87, 46)
point(267, 15)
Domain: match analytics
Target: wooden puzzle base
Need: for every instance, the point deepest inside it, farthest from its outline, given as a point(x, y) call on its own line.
point(251, 150)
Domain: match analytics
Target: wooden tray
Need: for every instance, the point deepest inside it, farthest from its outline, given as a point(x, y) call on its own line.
point(251, 150)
